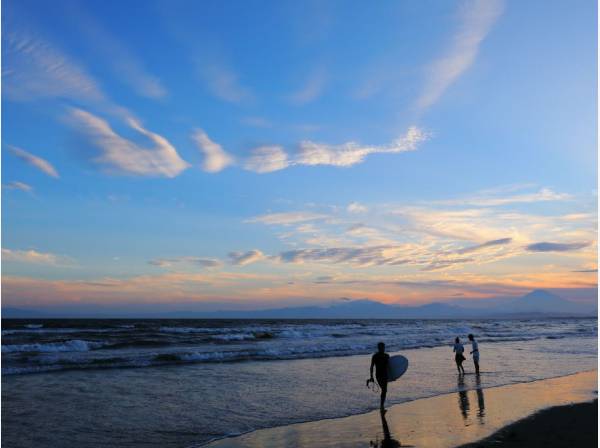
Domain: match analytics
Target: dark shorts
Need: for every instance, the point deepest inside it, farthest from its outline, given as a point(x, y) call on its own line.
point(459, 358)
point(382, 381)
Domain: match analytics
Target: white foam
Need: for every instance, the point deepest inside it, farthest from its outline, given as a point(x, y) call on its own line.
point(75, 345)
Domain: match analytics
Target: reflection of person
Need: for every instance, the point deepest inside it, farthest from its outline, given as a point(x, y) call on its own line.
point(387, 441)
point(459, 358)
point(463, 399)
point(480, 401)
point(380, 361)
point(475, 352)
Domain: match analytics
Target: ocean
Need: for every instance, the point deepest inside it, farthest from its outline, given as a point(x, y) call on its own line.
point(185, 382)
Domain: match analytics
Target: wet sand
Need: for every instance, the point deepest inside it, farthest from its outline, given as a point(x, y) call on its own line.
point(571, 425)
point(445, 421)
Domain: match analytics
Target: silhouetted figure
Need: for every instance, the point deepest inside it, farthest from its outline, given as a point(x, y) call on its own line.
point(380, 361)
point(463, 399)
point(475, 353)
point(480, 401)
point(459, 357)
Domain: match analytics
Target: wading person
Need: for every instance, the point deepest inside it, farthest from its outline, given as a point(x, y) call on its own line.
point(380, 361)
point(475, 352)
point(459, 357)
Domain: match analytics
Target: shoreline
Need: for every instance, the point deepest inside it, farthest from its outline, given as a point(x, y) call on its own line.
point(462, 418)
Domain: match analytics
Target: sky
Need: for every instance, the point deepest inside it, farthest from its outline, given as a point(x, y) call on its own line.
point(252, 154)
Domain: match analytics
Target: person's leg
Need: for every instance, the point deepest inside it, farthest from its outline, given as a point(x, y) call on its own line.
point(461, 368)
point(458, 366)
point(476, 362)
point(383, 386)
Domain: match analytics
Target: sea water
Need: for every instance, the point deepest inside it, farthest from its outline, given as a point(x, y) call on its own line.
point(181, 383)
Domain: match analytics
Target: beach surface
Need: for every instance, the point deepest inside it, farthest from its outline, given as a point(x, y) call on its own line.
point(569, 425)
point(449, 420)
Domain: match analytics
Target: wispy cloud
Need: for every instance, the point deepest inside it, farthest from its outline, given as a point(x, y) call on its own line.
point(493, 198)
point(194, 261)
point(244, 258)
point(356, 207)
point(30, 256)
point(311, 90)
point(223, 83)
point(37, 162)
point(16, 185)
point(556, 247)
point(273, 158)
point(287, 218)
point(266, 159)
point(352, 153)
point(477, 18)
point(124, 156)
point(498, 242)
point(215, 157)
point(128, 68)
point(33, 69)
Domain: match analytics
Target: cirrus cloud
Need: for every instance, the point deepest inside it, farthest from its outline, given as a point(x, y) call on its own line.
point(215, 157)
point(345, 155)
point(195, 261)
point(37, 162)
point(118, 154)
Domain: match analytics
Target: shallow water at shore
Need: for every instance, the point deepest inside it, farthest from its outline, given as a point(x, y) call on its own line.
point(185, 405)
point(444, 421)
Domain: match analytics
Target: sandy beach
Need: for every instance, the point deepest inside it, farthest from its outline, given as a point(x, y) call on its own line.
point(569, 425)
point(451, 420)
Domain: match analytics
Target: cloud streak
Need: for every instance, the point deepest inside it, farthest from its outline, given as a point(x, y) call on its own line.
point(556, 247)
point(286, 218)
point(224, 84)
point(118, 154)
point(195, 261)
point(477, 18)
point(215, 157)
point(245, 258)
point(309, 153)
point(34, 69)
point(311, 90)
point(37, 162)
point(30, 256)
point(16, 185)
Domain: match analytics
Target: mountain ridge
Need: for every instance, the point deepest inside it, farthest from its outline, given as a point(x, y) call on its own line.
point(537, 303)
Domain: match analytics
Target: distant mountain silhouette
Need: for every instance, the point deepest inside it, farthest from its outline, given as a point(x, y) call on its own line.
point(538, 303)
point(15, 313)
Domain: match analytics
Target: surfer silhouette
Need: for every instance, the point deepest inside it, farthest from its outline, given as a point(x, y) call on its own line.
point(459, 357)
point(380, 361)
point(475, 352)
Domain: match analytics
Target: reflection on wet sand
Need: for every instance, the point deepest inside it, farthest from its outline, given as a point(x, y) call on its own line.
point(430, 422)
point(463, 400)
point(480, 402)
point(388, 441)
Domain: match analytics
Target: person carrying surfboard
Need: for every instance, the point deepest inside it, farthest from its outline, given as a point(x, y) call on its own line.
point(475, 352)
point(380, 361)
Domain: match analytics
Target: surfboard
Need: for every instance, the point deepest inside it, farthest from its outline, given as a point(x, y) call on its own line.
point(397, 367)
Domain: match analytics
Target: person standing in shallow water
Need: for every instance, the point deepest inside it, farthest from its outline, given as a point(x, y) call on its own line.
point(459, 358)
point(380, 361)
point(475, 352)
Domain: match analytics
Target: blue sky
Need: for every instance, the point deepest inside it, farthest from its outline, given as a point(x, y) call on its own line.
point(253, 153)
